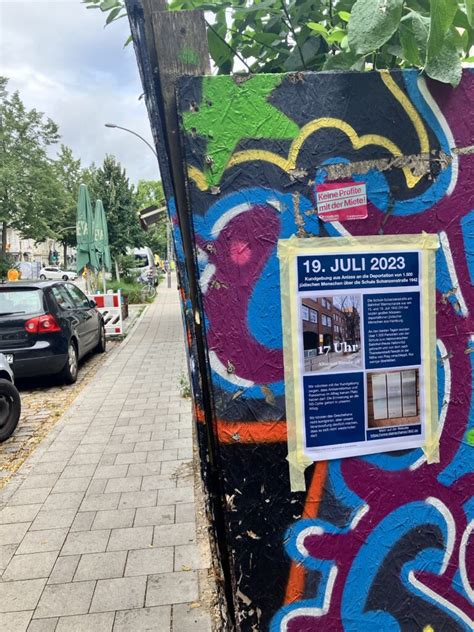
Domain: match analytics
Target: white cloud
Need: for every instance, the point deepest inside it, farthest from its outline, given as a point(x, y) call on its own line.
point(65, 63)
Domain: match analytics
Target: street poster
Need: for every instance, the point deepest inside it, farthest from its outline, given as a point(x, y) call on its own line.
point(361, 331)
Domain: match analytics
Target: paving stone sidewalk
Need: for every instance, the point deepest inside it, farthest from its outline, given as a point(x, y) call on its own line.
point(97, 529)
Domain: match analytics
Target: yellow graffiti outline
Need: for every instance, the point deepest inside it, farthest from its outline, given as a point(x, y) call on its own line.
point(199, 178)
point(358, 142)
point(407, 105)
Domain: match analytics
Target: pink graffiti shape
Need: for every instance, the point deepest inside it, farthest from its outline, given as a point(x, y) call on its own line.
point(240, 252)
point(239, 265)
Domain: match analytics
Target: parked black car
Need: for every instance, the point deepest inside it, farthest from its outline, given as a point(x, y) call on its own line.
point(46, 327)
point(10, 402)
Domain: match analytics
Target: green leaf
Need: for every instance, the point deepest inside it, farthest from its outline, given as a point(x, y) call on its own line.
point(128, 40)
point(219, 51)
point(345, 43)
point(445, 66)
point(372, 23)
point(344, 15)
point(268, 6)
point(336, 36)
point(461, 40)
point(112, 15)
point(319, 28)
point(343, 61)
point(263, 38)
point(106, 5)
point(442, 14)
point(409, 47)
point(470, 11)
point(460, 19)
point(414, 29)
point(308, 51)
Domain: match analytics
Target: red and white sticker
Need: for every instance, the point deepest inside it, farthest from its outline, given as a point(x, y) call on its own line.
point(341, 201)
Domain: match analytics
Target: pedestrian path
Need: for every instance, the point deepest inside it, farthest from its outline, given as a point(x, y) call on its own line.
point(97, 529)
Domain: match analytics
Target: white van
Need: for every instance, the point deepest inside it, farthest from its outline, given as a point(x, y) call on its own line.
point(144, 265)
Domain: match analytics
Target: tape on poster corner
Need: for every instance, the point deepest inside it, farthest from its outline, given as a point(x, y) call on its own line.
point(296, 458)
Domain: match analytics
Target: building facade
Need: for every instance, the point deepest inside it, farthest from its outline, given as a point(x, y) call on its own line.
point(325, 324)
point(28, 250)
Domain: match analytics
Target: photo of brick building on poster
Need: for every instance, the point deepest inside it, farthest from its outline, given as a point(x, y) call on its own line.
point(331, 333)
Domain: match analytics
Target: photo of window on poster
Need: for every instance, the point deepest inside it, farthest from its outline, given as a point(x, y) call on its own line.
point(331, 332)
point(393, 404)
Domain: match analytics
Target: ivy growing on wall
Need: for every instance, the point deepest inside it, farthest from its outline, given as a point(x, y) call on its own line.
point(258, 36)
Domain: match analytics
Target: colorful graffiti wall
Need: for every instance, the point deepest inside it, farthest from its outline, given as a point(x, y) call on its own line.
point(380, 543)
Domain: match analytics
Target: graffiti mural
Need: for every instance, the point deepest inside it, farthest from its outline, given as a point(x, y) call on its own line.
point(384, 542)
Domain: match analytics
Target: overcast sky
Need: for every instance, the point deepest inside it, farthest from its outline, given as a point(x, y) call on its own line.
point(64, 63)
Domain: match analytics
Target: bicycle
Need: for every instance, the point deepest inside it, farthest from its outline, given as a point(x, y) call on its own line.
point(148, 291)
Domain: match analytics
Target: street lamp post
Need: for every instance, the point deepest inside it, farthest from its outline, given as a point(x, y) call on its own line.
point(168, 226)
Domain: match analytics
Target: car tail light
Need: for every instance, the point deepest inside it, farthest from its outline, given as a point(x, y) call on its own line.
point(42, 325)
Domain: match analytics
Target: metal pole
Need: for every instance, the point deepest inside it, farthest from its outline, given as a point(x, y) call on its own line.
point(125, 129)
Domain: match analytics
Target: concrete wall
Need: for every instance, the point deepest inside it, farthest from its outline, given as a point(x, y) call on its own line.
point(378, 543)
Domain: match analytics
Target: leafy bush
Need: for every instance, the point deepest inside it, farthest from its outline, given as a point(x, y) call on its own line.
point(293, 35)
point(133, 291)
point(126, 263)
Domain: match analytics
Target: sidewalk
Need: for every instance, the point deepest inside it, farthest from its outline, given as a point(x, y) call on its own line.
point(97, 529)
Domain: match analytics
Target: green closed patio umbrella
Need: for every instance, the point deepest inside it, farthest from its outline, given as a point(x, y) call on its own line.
point(101, 239)
point(86, 253)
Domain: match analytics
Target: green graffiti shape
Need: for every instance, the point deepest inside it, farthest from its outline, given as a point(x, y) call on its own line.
point(230, 111)
point(188, 56)
point(470, 437)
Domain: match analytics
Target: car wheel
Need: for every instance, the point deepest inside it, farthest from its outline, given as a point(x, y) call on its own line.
point(101, 345)
point(65, 277)
point(42, 277)
point(70, 369)
point(10, 408)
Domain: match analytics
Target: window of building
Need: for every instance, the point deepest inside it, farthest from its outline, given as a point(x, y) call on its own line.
point(324, 302)
point(329, 319)
point(305, 312)
point(313, 315)
point(394, 395)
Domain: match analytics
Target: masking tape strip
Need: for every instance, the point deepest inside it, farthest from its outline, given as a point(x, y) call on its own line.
point(288, 249)
point(431, 447)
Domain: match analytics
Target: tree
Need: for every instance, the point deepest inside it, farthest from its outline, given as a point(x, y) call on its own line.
point(30, 192)
point(150, 192)
point(70, 175)
point(110, 184)
point(293, 35)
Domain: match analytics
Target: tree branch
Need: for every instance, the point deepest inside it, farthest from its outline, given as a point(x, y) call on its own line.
point(229, 46)
point(290, 24)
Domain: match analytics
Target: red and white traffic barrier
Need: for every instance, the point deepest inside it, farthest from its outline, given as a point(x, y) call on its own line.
point(110, 306)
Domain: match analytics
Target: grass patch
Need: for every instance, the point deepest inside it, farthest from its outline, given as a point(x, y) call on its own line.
point(184, 387)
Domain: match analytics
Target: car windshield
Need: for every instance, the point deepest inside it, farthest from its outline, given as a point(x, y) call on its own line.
point(141, 261)
point(24, 301)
